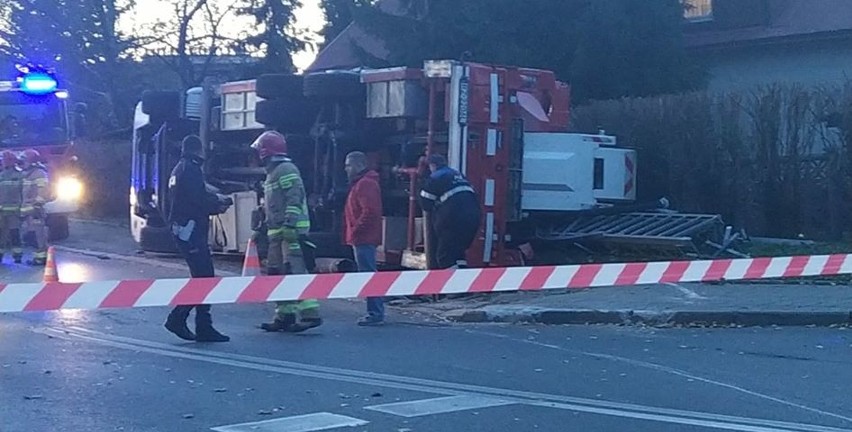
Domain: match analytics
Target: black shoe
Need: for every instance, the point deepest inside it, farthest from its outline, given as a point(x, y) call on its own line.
point(18, 259)
point(180, 330)
point(210, 335)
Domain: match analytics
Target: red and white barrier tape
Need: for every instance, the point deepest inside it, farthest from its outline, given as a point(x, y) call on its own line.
point(261, 289)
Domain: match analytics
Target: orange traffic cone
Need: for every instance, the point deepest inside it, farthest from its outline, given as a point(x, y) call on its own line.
point(251, 264)
point(50, 272)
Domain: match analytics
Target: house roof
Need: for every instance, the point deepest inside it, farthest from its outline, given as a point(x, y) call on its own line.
point(343, 51)
point(786, 19)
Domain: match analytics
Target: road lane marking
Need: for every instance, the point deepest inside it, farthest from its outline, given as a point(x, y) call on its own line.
point(688, 293)
point(301, 423)
point(625, 410)
point(439, 405)
point(666, 369)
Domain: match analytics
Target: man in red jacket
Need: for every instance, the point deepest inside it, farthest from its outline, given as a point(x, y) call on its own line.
point(363, 225)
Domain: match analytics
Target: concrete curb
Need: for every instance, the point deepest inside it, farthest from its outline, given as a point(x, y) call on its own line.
point(508, 314)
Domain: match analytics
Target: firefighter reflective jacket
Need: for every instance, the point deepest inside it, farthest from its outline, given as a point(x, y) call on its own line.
point(35, 192)
point(11, 190)
point(285, 199)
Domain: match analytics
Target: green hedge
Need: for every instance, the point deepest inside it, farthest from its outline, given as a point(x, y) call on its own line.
point(774, 160)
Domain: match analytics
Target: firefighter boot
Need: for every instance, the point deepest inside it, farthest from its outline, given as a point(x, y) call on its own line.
point(204, 326)
point(282, 322)
point(310, 316)
point(176, 323)
point(17, 255)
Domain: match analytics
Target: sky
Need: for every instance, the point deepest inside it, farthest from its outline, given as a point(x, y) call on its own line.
point(309, 18)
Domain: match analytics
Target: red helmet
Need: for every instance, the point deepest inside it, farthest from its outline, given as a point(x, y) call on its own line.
point(270, 143)
point(31, 157)
point(10, 159)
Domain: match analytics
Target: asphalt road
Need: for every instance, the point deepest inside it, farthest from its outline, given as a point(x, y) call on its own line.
point(119, 370)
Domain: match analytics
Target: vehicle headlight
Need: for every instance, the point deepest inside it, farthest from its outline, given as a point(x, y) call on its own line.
point(69, 189)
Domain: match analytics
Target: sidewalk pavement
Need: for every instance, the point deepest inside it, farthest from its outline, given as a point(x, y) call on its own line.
point(658, 305)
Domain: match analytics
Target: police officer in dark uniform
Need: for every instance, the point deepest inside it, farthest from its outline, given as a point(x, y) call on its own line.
point(189, 218)
point(454, 212)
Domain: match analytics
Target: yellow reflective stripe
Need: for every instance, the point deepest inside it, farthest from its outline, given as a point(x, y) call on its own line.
point(303, 224)
point(293, 210)
point(286, 308)
point(274, 231)
point(38, 182)
point(308, 304)
point(288, 180)
point(294, 246)
point(27, 208)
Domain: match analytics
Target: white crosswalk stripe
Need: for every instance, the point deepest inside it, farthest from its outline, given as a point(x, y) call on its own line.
point(439, 405)
point(301, 423)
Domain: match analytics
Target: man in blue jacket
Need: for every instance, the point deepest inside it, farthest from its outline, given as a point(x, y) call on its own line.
point(454, 212)
point(189, 218)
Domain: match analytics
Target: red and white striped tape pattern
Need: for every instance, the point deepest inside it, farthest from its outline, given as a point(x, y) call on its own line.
point(261, 289)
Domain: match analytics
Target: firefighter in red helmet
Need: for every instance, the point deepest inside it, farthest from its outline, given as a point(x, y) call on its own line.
point(287, 223)
point(11, 197)
point(35, 196)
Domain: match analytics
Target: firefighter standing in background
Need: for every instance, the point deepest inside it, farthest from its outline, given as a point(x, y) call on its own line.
point(11, 197)
point(35, 196)
point(455, 213)
point(287, 223)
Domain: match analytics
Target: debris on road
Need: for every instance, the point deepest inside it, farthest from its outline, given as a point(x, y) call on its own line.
point(33, 397)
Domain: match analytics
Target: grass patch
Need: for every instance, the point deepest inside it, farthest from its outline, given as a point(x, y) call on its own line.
point(758, 249)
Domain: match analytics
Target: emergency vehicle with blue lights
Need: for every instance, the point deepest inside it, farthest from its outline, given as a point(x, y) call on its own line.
point(36, 113)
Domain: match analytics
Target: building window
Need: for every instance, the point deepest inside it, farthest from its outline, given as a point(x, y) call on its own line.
point(698, 10)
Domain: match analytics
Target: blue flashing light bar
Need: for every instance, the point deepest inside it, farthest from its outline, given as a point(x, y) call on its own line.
point(36, 79)
point(38, 83)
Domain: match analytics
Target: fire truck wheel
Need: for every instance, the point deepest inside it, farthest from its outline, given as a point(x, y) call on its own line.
point(286, 116)
point(161, 104)
point(279, 86)
point(334, 85)
point(57, 227)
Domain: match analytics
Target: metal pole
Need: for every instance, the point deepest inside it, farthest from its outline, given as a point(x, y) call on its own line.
point(206, 117)
point(430, 134)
